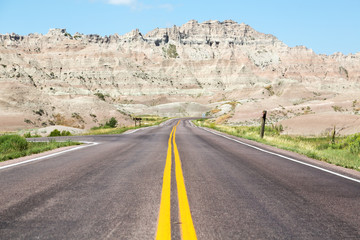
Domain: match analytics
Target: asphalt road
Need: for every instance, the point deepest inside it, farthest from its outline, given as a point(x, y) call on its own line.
point(114, 190)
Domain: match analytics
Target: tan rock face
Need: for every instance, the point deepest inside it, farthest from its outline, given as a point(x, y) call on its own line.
point(200, 63)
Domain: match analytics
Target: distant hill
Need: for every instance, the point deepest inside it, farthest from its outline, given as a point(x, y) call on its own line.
point(224, 69)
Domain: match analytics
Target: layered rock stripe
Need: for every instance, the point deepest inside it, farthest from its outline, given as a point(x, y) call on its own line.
point(185, 70)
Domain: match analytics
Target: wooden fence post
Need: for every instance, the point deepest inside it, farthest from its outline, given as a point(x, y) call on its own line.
point(263, 120)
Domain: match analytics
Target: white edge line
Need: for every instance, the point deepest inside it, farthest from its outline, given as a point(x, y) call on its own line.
point(139, 129)
point(282, 156)
point(131, 131)
point(51, 155)
point(192, 124)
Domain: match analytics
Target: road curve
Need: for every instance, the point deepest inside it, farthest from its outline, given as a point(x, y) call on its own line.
point(113, 190)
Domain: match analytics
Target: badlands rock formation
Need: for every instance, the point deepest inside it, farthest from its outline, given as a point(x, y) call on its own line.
point(224, 69)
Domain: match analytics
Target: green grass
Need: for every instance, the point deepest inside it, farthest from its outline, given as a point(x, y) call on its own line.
point(344, 152)
point(146, 122)
point(15, 146)
point(108, 130)
point(28, 135)
point(57, 133)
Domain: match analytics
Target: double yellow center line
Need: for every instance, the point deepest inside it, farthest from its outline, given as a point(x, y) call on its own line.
point(164, 221)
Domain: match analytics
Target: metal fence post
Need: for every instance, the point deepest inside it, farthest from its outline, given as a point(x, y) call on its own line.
point(263, 120)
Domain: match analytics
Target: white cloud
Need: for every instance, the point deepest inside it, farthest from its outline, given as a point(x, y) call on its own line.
point(122, 2)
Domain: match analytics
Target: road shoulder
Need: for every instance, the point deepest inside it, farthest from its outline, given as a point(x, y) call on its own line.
point(318, 163)
point(42, 155)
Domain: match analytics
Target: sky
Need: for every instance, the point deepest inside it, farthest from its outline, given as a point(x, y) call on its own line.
point(326, 26)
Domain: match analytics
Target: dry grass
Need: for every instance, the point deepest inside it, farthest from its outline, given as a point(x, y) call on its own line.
point(319, 148)
point(146, 122)
point(233, 104)
point(222, 119)
point(77, 121)
point(216, 110)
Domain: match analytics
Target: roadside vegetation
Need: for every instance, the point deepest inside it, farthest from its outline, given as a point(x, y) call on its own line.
point(57, 133)
point(341, 151)
point(15, 146)
point(29, 135)
point(111, 126)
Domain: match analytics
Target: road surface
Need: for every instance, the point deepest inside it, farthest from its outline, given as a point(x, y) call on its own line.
point(177, 181)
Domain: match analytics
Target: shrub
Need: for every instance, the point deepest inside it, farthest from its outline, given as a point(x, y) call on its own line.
point(354, 103)
point(270, 90)
point(171, 51)
point(337, 108)
point(40, 112)
point(27, 135)
point(52, 75)
point(28, 121)
point(100, 96)
point(354, 143)
point(111, 123)
point(65, 133)
point(12, 143)
point(343, 70)
point(55, 133)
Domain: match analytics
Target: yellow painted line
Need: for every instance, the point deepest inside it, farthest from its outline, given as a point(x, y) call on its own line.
point(164, 227)
point(187, 226)
point(164, 220)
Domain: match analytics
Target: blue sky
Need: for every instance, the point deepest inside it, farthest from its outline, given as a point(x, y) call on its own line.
point(326, 26)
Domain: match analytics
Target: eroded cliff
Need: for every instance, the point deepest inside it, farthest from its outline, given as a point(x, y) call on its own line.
point(195, 68)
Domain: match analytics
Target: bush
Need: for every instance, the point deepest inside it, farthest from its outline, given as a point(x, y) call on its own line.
point(171, 51)
point(57, 133)
point(354, 143)
point(337, 108)
point(28, 121)
point(65, 133)
point(111, 123)
point(27, 135)
point(100, 96)
point(40, 112)
point(12, 143)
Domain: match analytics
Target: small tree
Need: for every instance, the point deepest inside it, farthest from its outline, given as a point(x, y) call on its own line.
point(65, 133)
point(55, 133)
point(112, 122)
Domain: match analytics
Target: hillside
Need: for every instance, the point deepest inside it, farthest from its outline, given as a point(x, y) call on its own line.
point(225, 69)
